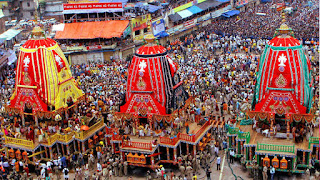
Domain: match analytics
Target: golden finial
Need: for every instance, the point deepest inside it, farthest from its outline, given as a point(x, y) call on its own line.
point(284, 28)
point(283, 17)
point(37, 32)
point(149, 38)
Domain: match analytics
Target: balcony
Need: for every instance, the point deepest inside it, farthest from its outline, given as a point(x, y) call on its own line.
point(194, 138)
point(50, 140)
point(170, 140)
point(20, 142)
point(186, 137)
point(137, 145)
point(276, 148)
point(85, 134)
point(66, 138)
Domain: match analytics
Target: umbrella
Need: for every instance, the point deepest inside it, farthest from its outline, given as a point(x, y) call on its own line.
point(84, 127)
point(57, 117)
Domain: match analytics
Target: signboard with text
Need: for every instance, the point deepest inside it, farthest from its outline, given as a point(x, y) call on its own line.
point(82, 1)
point(78, 6)
point(158, 27)
point(95, 47)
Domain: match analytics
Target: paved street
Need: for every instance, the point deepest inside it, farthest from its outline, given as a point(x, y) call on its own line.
point(224, 174)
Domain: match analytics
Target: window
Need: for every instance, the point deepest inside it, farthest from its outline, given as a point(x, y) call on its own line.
point(31, 13)
point(137, 32)
point(28, 4)
point(145, 30)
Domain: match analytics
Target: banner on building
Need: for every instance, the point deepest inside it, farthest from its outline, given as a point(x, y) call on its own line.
point(140, 22)
point(158, 27)
point(81, 6)
point(94, 47)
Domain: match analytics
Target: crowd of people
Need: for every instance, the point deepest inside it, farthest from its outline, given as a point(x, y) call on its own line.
point(249, 24)
point(218, 66)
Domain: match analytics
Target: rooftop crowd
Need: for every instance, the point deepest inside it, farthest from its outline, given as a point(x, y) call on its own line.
point(217, 63)
point(250, 24)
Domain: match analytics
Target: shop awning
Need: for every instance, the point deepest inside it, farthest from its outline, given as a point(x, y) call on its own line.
point(223, 1)
point(185, 6)
point(9, 34)
point(162, 34)
point(93, 30)
point(185, 13)
point(231, 13)
point(182, 7)
point(209, 4)
point(140, 5)
point(194, 9)
point(153, 8)
point(175, 17)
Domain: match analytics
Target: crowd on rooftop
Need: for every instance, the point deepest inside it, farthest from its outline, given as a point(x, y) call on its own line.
point(251, 25)
point(217, 64)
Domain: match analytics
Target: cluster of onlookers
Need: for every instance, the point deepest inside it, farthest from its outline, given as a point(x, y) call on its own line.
point(249, 24)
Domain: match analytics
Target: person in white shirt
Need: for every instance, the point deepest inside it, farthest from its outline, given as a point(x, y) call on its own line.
point(110, 173)
point(78, 170)
point(13, 161)
point(218, 163)
point(231, 156)
point(216, 150)
point(65, 172)
point(86, 171)
point(59, 162)
point(99, 167)
point(21, 166)
point(56, 162)
point(272, 171)
point(43, 173)
point(49, 164)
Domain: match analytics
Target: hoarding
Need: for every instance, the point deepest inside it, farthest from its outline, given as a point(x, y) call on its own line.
point(158, 27)
point(78, 6)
